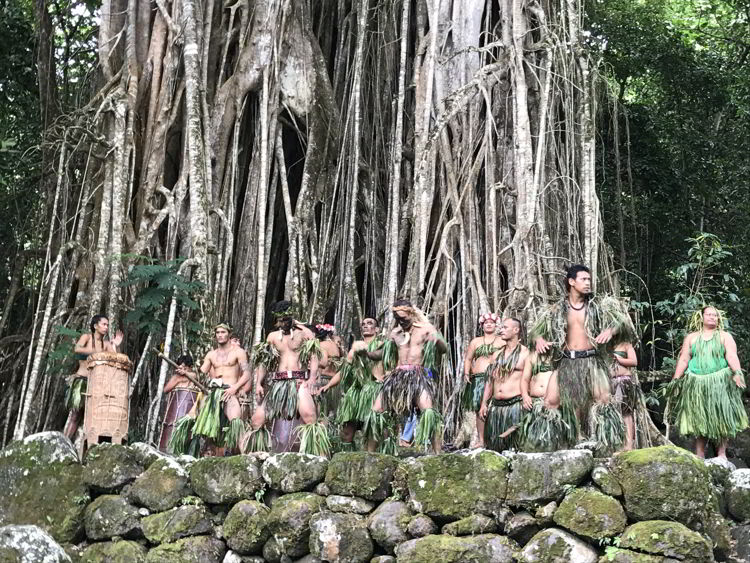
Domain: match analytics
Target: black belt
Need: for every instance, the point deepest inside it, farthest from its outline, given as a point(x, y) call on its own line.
point(578, 354)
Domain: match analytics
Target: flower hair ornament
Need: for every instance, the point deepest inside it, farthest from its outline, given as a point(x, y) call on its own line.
point(488, 317)
point(325, 327)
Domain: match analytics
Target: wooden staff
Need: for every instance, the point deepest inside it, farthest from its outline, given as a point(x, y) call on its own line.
point(194, 381)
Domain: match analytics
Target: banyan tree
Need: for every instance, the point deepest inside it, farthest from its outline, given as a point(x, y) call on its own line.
point(338, 153)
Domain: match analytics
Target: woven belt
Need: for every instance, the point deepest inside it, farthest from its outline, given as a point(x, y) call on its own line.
point(505, 402)
point(478, 374)
point(579, 354)
point(282, 375)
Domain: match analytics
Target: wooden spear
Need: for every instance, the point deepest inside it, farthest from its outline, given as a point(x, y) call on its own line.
point(194, 381)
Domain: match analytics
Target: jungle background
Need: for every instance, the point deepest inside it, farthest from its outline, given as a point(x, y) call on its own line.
point(177, 163)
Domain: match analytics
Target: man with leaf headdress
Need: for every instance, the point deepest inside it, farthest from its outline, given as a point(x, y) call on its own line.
point(410, 357)
point(288, 362)
point(480, 354)
point(580, 326)
point(706, 390)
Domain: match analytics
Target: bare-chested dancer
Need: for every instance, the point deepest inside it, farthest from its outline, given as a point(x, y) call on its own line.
point(411, 385)
point(330, 361)
point(580, 326)
point(481, 353)
point(502, 406)
point(89, 343)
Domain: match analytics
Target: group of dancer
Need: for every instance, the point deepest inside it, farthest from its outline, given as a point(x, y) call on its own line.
point(574, 384)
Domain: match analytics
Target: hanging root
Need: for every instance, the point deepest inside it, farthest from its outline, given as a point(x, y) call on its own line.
point(234, 432)
point(606, 426)
point(180, 440)
point(314, 439)
point(257, 441)
point(429, 428)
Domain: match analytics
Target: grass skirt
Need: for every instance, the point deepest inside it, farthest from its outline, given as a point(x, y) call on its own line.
point(502, 415)
point(546, 430)
point(709, 406)
point(182, 440)
point(579, 381)
point(627, 392)
point(281, 401)
point(402, 388)
point(471, 399)
point(606, 426)
point(74, 394)
point(328, 402)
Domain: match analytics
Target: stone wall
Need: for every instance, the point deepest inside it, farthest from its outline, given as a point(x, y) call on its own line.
point(134, 504)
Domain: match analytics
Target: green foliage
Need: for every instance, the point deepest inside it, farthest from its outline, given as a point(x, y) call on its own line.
point(159, 282)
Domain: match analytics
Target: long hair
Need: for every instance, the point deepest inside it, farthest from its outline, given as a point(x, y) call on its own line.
point(92, 326)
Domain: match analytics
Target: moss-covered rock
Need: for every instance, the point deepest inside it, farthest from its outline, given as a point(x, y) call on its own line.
point(451, 549)
point(161, 487)
point(448, 487)
point(668, 539)
point(109, 467)
point(246, 527)
point(196, 549)
point(42, 485)
point(738, 494)
point(114, 552)
point(388, 524)
point(147, 454)
point(664, 482)
point(606, 481)
point(180, 522)
point(421, 525)
point(361, 474)
point(29, 544)
point(340, 537)
point(541, 477)
point(471, 526)
point(521, 527)
point(349, 505)
point(556, 546)
point(618, 555)
point(383, 559)
point(226, 480)
point(289, 523)
point(720, 468)
point(294, 472)
point(109, 516)
point(545, 514)
point(741, 537)
point(591, 514)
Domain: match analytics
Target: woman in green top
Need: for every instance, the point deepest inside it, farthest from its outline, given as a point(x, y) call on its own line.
point(90, 343)
point(707, 386)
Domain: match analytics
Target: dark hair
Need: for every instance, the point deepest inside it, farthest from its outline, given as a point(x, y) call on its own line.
point(280, 307)
point(517, 321)
point(572, 273)
point(377, 323)
point(95, 321)
point(185, 359)
point(320, 332)
point(402, 303)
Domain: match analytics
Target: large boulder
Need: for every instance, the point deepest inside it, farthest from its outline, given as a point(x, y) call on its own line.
point(109, 467)
point(451, 486)
point(537, 478)
point(618, 555)
point(196, 549)
point(663, 483)
point(180, 522)
point(471, 526)
point(340, 537)
point(484, 548)
point(114, 552)
point(361, 474)
point(738, 494)
point(293, 472)
point(29, 544)
point(42, 485)
point(668, 539)
point(147, 454)
point(246, 527)
point(226, 480)
point(349, 505)
point(161, 487)
point(606, 481)
point(388, 524)
point(421, 525)
point(557, 546)
point(591, 514)
point(109, 516)
point(289, 523)
point(741, 537)
point(521, 527)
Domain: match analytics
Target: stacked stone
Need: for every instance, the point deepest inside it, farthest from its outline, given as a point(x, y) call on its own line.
point(134, 504)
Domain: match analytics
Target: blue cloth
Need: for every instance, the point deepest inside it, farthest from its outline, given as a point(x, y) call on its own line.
point(410, 425)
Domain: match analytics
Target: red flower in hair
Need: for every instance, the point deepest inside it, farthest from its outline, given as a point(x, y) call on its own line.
point(488, 317)
point(325, 327)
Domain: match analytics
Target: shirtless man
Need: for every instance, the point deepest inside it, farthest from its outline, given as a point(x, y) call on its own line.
point(89, 343)
point(226, 365)
point(582, 383)
point(502, 406)
point(290, 377)
point(356, 404)
point(481, 353)
point(411, 385)
point(328, 402)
